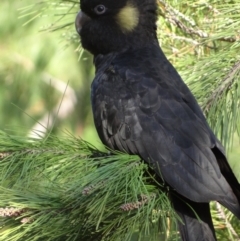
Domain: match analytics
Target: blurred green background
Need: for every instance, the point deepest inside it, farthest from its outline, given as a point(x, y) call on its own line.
point(45, 78)
point(43, 82)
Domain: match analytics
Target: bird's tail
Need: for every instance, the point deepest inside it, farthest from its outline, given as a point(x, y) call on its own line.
point(196, 222)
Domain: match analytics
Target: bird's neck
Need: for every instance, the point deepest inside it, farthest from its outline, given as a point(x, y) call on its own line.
point(130, 55)
point(122, 43)
point(134, 45)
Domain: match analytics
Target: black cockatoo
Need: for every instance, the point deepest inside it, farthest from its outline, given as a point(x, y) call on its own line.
point(141, 106)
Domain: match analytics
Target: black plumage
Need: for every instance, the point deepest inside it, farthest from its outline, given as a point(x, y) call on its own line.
point(141, 106)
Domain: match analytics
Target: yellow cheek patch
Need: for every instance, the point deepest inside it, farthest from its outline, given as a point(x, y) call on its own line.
point(128, 18)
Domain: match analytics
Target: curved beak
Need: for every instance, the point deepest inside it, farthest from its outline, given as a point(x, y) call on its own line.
point(81, 19)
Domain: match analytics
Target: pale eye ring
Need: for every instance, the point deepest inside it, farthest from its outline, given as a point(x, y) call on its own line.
point(100, 9)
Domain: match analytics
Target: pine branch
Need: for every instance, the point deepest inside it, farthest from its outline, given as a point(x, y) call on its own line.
point(174, 17)
point(182, 38)
point(52, 183)
point(224, 86)
point(223, 217)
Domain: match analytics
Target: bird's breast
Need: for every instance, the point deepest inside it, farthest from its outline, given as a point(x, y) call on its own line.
point(113, 107)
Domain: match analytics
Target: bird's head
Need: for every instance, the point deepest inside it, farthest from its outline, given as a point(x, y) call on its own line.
point(108, 26)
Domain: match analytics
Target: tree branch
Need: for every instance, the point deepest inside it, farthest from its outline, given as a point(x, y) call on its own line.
point(227, 82)
point(174, 16)
point(223, 216)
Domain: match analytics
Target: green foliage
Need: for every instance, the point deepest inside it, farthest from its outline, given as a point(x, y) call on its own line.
point(39, 72)
point(65, 189)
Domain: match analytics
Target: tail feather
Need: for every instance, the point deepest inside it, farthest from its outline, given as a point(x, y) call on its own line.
point(196, 224)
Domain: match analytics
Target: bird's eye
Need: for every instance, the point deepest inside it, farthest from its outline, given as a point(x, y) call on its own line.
point(100, 9)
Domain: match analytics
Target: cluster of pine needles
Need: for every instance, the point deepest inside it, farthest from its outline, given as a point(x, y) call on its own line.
point(65, 189)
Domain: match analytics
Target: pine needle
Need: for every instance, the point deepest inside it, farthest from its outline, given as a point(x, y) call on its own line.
point(67, 183)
